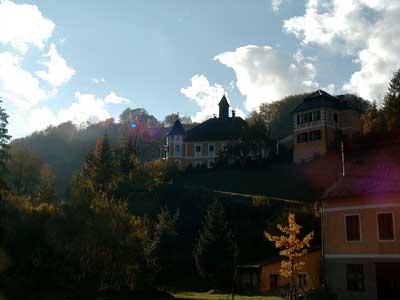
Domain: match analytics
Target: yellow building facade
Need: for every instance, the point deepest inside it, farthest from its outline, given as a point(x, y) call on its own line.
point(318, 120)
point(203, 144)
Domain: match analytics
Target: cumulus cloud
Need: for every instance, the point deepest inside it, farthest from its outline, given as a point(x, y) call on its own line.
point(22, 25)
point(265, 74)
point(366, 29)
point(206, 97)
point(276, 4)
point(85, 108)
point(40, 119)
point(58, 71)
point(112, 98)
point(18, 85)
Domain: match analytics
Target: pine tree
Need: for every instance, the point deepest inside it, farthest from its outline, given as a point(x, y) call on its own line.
point(216, 250)
point(98, 166)
point(391, 103)
point(4, 140)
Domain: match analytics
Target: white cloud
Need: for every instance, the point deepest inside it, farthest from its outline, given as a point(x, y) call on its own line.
point(366, 29)
point(18, 85)
point(276, 4)
point(265, 74)
point(112, 98)
point(58, 71)
point(98, 80)
point(206, 97)
point(86, 108)
point(40, 119)
point(22, 25)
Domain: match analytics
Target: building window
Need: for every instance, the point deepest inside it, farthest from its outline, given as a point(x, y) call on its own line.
point(302, 138)
point(355, 277)
point(197, 151)
point(211, 149)
point(273, 281)
point(317, 116)
point(385, 226)
point(353, 228)
point(298, 120)
point(315, 135)
point(302, 280)
point(210, 164)
point(335, 117)
point(178, 149)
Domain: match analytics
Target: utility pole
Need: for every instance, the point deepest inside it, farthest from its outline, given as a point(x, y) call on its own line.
point(343, 169)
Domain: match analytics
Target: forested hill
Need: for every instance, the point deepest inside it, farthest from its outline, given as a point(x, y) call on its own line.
point(63, 148)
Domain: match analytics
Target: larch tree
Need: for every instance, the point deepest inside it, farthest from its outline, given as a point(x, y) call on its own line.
point(293, 248)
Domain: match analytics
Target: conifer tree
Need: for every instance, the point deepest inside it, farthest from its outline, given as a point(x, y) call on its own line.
point(4, 139)
point(391, 103)
point(98, 166)
point(216, 250)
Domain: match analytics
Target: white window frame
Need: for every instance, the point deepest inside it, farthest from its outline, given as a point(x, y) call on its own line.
point(393, 224)
point(359, 226)
point(306, 280)
point(180, 150)
point(198, 154)
point(197, 163)
point(209, 163)
point(211, 154)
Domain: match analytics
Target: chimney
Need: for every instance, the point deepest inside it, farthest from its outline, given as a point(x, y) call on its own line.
point(233, 113)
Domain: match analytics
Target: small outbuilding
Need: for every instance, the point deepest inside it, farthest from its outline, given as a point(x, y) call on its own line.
point(264, 276)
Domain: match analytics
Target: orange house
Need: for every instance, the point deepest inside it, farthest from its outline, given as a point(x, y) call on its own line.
point(265, 276)
point(361, 231)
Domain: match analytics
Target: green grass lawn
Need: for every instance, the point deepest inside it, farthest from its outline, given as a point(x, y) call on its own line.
point(212, 296)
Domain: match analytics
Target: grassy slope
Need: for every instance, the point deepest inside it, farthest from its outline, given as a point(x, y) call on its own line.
point(298, 182)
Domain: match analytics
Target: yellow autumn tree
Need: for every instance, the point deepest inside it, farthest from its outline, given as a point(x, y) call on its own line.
point(293, 248)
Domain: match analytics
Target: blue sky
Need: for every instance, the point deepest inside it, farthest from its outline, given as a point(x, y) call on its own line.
point(89, 60)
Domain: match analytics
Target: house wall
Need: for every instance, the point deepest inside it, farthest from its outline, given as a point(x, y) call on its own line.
point(248, 275)
point(367, 207)
point(368, 252)
point(188, 158)
point(348, 121)
point(312, 267)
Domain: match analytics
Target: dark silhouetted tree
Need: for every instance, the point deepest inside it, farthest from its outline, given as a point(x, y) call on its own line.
point(4, 140)
point(391, 102)
point(216, 251)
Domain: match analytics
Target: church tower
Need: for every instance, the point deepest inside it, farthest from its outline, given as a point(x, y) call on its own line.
point(223, 108)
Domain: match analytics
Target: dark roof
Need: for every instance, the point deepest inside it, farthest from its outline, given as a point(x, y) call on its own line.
point(177, 129)
point(273, 259)
point(377, 174)
point(323, 99)
point(216, 129)
point(223, 101)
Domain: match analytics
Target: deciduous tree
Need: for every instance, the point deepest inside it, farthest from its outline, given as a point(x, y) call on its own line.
point(293, 248)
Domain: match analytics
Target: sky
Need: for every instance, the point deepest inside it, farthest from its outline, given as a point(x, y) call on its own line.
point(89, 60)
